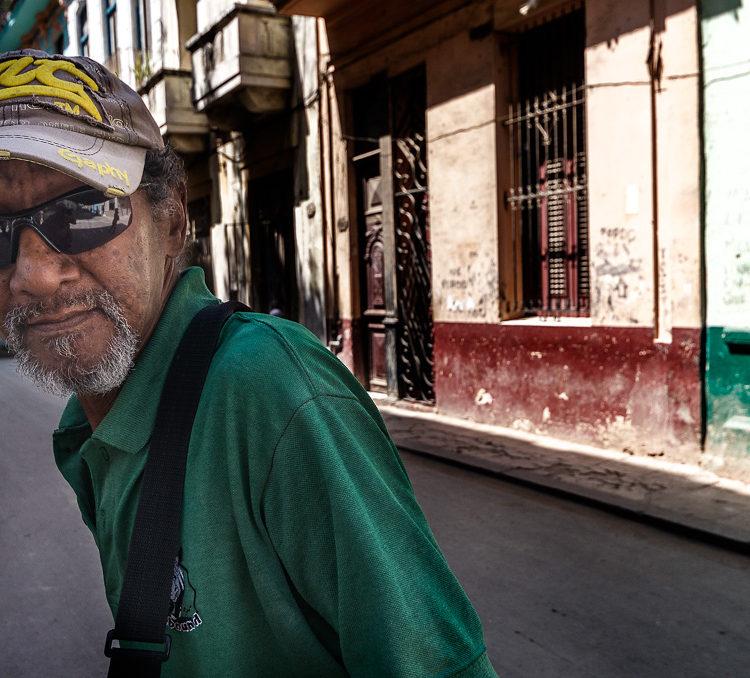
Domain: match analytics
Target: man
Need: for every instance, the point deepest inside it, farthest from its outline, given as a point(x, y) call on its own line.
point(303, 550)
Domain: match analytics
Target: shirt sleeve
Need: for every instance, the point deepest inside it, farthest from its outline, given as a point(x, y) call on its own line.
point(347, 527)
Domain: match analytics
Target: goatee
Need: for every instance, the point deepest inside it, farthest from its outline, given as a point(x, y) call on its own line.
point(69, 376)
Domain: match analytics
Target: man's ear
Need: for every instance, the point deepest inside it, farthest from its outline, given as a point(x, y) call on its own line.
point(177, 221)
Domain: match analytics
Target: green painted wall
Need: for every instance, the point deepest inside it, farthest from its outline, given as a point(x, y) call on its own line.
point(725, 28)
point(19, 22)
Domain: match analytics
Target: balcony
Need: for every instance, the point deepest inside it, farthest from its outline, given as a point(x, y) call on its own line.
point(167, 95)
point(243, 57)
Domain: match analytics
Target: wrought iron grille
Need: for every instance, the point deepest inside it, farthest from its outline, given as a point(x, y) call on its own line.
point(412, 227)
point(413, 268)
point(548, 200)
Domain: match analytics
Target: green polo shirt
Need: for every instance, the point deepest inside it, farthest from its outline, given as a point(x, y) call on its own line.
point(304, 551)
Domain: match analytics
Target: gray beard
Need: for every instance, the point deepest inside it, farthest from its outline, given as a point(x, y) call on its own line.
point(69, 377)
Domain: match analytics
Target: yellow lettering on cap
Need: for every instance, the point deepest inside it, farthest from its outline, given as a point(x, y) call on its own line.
point(4, 154)
point(16, 84)
point(70, 156)
point(68, 107)
point(104, 169)
point(122, 175)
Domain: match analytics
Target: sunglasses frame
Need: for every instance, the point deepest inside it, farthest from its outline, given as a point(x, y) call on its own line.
point(27, 218)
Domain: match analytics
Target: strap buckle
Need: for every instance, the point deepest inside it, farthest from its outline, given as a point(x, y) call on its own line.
point(159, 653)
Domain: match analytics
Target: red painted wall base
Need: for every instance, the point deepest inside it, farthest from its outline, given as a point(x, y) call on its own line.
point(601, 385)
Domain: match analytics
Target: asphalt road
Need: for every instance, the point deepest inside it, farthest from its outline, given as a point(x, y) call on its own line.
point(563, 590)
point(568, 591)
point(55, 618)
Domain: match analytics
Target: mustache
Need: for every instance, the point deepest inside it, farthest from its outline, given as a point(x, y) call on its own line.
point(19, 316)
point(22, 313)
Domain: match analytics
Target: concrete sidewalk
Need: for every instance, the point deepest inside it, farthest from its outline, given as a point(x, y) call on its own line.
point(676, 496)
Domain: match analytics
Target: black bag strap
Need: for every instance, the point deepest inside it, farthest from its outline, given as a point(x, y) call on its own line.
point(154, 545)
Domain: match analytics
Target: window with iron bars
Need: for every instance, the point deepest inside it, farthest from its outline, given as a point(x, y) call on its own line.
point(548, 196)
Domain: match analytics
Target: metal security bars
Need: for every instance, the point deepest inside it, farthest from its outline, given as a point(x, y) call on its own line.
point(412, 230)
point(548, 201)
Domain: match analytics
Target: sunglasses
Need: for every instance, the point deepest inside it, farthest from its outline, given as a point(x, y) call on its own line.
point(76, 222)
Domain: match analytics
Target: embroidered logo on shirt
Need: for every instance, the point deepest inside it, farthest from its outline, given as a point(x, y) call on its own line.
point(182, 613)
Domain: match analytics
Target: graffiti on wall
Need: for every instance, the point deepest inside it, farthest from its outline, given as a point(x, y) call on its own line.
point(470, 290)
point(736, 272)
point(618, 272)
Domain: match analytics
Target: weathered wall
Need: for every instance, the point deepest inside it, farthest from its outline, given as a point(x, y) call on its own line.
point(462, 150)
point(628, 282)
point(619, 164)
point(335, 187)
point(678, 157)
point(440, 41)
point(726, 97)
point(308, 210)
point(606, 379)
point(606, 386)
point(229, 214)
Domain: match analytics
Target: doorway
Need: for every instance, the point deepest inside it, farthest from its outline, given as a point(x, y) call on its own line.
point(272, 248)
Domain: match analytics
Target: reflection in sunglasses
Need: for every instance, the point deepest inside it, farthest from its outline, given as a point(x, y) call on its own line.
point(72, 223)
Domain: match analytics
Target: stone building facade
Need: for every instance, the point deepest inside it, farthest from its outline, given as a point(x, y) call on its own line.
point(516, 190)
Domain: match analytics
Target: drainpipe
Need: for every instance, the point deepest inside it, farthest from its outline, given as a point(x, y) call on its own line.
point(702, 247)
point(333, 336)
point(654, 64)
point(324, 206)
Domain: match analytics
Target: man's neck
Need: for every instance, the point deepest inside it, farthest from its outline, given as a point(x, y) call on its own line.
point(97, 406)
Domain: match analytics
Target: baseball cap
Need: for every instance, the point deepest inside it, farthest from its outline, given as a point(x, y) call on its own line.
point(73, 115)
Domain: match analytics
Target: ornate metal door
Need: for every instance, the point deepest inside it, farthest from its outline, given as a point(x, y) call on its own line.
point(395, 280)
point(412, 234)
point(373, 264)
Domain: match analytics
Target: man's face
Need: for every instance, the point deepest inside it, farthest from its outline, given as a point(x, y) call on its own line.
point(71, 310)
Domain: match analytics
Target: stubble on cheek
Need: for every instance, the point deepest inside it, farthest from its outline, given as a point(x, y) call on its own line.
point(80, 362)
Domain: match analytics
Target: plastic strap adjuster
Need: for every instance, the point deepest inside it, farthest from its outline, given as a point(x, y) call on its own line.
point(160, 654)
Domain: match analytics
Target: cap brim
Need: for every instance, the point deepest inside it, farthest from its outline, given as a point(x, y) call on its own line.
point(106, 165)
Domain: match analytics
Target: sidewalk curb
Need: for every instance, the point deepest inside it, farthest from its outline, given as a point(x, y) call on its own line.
point(678, 497)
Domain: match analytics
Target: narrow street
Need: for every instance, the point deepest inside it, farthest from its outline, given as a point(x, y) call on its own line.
point(567, 591)
point(563, 590)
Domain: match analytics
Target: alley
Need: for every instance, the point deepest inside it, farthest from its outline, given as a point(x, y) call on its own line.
point(563, 590)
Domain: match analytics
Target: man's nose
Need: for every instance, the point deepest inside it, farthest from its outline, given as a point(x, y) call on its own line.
point(39, 271)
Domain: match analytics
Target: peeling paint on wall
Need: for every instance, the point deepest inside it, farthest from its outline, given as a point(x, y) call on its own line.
point(483, 397)
point(607, 386)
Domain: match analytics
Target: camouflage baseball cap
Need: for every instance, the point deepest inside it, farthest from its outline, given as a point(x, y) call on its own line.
point(71, 114)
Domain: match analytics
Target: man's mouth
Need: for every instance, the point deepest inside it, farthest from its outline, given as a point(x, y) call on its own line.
point(47, 322)
point(58, 323)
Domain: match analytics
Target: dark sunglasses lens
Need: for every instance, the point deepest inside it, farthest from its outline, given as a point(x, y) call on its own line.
point(84, 222)
point(6, 244)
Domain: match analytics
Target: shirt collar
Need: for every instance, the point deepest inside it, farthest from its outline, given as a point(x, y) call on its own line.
point(128, 425)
